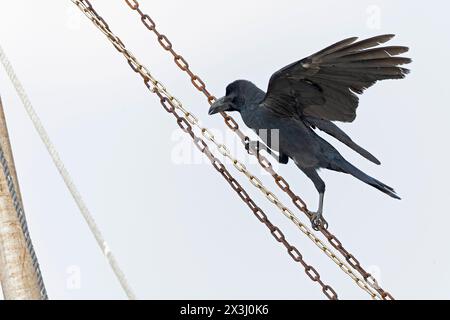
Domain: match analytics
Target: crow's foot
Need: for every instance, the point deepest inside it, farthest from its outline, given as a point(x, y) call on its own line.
point(250, 146)
point(318, 221)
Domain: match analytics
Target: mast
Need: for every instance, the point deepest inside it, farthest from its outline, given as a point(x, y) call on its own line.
point(18, 273)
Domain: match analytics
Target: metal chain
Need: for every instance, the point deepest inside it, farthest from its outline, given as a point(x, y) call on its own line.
point(200, 85)
point(170, 104)
point(193, 120)
point(287, 212)
point(23, 223)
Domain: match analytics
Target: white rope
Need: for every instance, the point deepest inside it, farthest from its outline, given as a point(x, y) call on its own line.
point(65, 175)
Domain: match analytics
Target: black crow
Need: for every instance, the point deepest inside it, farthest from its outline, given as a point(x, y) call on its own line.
point(312, 93)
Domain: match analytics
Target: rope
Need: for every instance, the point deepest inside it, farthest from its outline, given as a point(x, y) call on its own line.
point(23, 224)
point(65, 175)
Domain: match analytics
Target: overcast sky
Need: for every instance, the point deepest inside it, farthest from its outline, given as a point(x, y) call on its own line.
point(175, 226)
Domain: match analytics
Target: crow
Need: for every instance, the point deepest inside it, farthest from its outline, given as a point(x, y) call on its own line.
point(311, 94)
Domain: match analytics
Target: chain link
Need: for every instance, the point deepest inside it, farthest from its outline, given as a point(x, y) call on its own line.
point(23, 223)
point(200, 85)
point(171, 104)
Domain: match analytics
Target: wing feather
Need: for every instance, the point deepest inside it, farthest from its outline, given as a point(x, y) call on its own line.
point(362, 45)
point(326, 84)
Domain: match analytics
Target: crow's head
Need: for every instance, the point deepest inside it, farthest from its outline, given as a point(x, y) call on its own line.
point(239, 95)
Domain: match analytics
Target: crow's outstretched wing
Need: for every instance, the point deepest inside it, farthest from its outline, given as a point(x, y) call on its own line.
point(325, 85)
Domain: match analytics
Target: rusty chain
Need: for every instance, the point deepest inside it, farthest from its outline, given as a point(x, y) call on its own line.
point(193, 120)
point(170, 104)
point(200, 85)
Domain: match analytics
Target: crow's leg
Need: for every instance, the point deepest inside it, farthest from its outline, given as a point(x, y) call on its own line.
point(258, 145)
point(317, 218)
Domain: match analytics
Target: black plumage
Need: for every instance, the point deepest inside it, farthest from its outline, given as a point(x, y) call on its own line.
point(312, 93)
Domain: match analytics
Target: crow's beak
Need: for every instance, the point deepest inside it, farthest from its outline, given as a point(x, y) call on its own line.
point(219, 106)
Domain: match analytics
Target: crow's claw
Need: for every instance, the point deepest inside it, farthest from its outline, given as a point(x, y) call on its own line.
point(318, 221)
point(247, 145)
point(251, 145)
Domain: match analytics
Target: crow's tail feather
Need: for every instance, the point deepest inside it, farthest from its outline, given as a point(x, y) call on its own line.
point(350, 169)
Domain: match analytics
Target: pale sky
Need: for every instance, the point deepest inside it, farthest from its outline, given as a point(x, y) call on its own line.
point(175, 226)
